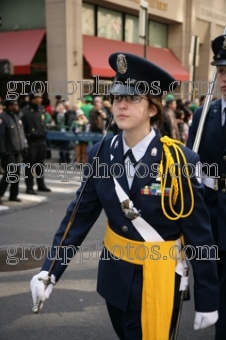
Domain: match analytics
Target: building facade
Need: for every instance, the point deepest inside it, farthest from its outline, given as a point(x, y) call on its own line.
point(69, 42)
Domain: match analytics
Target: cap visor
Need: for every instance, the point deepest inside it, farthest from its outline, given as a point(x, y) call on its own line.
point(220, 62)
point(121, 90)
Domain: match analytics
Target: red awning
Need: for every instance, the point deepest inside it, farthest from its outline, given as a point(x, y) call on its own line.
point(97, 50)
point(19, 47)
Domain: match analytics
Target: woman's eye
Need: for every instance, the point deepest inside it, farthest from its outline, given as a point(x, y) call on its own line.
point(134, 98)
point(117, 98)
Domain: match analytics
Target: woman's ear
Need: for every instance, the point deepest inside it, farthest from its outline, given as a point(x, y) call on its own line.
point(153, 110)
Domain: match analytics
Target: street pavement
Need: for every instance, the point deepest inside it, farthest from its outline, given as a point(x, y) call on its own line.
point(74, 310)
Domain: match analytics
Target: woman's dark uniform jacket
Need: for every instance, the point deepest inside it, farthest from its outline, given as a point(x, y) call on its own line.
point(119, 282)
point(212, 150)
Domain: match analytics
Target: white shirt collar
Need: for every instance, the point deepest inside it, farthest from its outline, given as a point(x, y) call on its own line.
point(140, 148)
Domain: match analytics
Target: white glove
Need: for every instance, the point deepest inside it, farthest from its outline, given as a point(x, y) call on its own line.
point(38, 289)
point(203, 320)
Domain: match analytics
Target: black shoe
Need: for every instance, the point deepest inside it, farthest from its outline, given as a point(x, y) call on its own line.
point(14, 199)
point(31, 192)
point(44, 189)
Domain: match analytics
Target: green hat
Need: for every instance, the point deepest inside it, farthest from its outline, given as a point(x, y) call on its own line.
point(88, 99)
point(193, 107)
point(169, 97)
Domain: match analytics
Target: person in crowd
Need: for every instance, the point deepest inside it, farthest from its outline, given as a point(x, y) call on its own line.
point(179, 114)
point(24, 102)
point(141, 293)
point(212, 150)
point(169, 123)
point(80, 125)
point(202, 100)
point(188, 121)
point(33, 119)
point(97, 118)
point(48, 107)
point(193, 107)
point(12, 145)
point(64, 152)
point(88, 106)
point(69, 116)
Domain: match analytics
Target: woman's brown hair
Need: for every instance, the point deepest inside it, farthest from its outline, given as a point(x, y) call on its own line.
point(156, 120)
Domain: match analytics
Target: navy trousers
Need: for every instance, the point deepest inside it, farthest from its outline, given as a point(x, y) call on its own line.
point(127, 325)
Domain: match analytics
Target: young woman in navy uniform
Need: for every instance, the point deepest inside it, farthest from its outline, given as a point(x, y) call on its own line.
point(212, 151)
point(140, 272)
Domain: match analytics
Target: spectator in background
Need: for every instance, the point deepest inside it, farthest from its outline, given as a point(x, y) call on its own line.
point(75, 107)
point(179, 103)
point(187, 104)
point(193, 107)
point(69, 116)
point(12, 145)
point(107, 108)
point(169, 123)
point(88, 106)
point(64, 145)
point(180, 123)
point(24, 103)
point(80, 124)
point(202, 100)
point(49, 108)
point(17, 110)
point(187, 121)
point(58, 98)
point(35, 130)
point(97, 118)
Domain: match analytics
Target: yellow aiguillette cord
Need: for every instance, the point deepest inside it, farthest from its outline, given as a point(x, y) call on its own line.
point(176, 186)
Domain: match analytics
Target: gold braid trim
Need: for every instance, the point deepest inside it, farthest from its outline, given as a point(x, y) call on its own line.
point(176, 187)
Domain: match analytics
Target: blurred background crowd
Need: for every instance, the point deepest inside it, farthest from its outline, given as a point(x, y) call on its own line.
point(24, 136)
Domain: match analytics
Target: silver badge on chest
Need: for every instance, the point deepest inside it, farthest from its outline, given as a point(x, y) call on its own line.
point(128, 209)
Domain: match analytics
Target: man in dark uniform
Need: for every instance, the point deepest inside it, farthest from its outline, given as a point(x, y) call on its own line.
point(12, 144)
point(212, 151)
point(34, 126)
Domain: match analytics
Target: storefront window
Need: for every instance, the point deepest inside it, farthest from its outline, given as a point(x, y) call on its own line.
point(88, 19)
point(158, 34)
point(131, 29)
point(109, 24)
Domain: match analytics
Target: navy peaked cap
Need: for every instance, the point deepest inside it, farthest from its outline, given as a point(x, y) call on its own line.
point(9, 101)
point(219, 50)
point(141, 75)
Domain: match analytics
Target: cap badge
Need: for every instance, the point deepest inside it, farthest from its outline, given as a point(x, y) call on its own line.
point(121, 63)
point(224, 43)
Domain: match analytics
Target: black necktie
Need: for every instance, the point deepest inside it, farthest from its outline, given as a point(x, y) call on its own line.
point(224, 126)
point(129, 153)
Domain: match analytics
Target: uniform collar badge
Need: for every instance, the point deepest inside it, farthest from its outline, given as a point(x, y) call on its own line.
point(116, 145)
point(121, 63)
point(154, 152)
